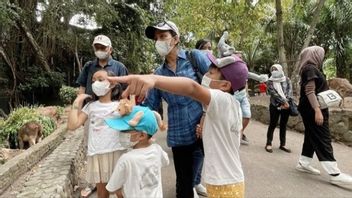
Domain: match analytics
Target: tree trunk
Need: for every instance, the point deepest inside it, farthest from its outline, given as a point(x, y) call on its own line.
point(13, 70)
point(79, 64)
point(340, 53)
point(40, 55)
point(280, 36)
point(313, 23)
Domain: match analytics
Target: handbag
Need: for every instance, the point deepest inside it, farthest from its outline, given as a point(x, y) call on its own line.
point(293, 108)
point(329, 98)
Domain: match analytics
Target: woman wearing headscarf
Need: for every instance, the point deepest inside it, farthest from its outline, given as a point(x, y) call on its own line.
point(280, 90)
point(317, 138)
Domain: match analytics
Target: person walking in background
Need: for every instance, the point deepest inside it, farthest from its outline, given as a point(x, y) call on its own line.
point(280, 91)
point(184, 113)
point(262, 89)
point(317, 138)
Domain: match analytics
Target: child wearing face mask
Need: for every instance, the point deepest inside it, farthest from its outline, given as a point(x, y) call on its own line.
point(104, 147)
point(138, 172)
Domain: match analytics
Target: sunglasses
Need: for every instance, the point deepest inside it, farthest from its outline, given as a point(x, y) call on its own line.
point(165, 23)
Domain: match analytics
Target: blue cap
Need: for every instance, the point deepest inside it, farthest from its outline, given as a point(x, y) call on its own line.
point(147, 123)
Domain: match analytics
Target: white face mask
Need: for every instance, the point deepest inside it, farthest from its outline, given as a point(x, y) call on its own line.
point(125, 140)
point(276, 74)
point(163, 47)
point(101, 88)
point(102, 55)
point(206, 81)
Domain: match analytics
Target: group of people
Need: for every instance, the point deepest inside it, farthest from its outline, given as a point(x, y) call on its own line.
point(206, 119)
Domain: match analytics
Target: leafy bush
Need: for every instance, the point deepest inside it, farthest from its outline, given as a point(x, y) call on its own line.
point(37, 78)
point(19, 117)
point(68, 94)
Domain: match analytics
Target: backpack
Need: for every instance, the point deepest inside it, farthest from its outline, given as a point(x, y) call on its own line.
point(195, 66)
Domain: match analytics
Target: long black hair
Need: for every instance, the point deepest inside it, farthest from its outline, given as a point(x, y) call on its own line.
point(200, 43)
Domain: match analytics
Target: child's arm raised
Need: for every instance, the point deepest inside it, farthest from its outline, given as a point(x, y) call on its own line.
point(76, 117)
point(140, 84)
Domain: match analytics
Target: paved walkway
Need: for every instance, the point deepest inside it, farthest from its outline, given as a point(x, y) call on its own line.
point(274, 174)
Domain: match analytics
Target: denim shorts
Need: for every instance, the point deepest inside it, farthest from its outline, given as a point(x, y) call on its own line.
point(241, 97)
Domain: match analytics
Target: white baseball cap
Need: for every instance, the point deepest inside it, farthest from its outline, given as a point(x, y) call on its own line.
point(103, 40)
point(165, 25)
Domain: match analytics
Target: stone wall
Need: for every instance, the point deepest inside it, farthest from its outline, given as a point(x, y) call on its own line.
point(59, 172)
point(340, 122)
point(23, 162)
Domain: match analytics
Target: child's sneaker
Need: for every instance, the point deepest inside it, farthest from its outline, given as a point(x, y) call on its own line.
point(244, 140)
point(201, 190)
point(341, 179)
point(307, 169)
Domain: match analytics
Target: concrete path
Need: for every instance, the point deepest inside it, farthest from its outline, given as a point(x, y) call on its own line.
point(274, 174)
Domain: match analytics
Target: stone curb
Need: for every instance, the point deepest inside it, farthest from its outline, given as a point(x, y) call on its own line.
point(59, 172)
point(15, 167)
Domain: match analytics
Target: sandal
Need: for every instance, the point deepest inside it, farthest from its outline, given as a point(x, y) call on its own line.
point(87, 191)
point(269, 150)
point(285, 149)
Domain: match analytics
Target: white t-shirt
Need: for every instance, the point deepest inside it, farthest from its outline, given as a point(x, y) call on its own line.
point(138, 173)
point(221, 138)
point(101, 138)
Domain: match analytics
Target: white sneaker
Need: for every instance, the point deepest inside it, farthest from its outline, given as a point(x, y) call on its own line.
point(341, 179)
point(195, 195)
point(307, 169)
point(201, 190)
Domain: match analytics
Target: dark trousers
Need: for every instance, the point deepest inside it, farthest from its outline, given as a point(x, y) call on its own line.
point(198, 159)
point(274, 118)
point(317, 138)
point(184, 158)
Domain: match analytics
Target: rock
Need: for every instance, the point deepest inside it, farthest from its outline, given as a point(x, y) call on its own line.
point(6, 154)
point(348, 136)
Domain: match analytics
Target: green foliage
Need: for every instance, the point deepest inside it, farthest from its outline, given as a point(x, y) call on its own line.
point(48, 125)
point(329, 68)
point(67, 94)
point(36, 78)
point(18, 117)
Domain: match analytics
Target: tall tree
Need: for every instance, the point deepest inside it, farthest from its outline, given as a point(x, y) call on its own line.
point(314, 20)
point(280, 36)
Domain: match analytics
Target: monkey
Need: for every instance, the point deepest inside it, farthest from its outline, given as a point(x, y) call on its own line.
point(30, 132)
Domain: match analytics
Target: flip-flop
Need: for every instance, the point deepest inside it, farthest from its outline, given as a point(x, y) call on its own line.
point(87, 192)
